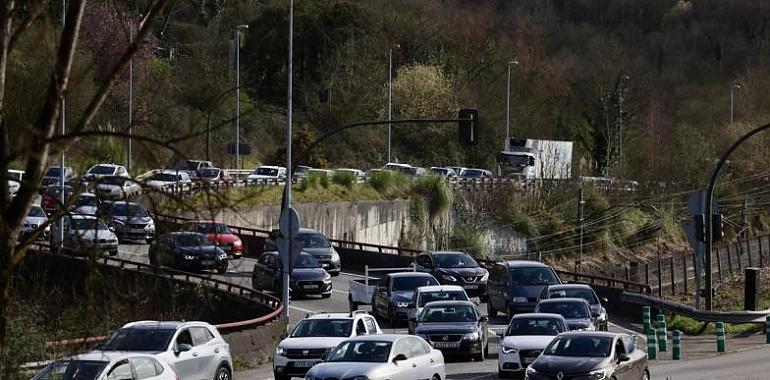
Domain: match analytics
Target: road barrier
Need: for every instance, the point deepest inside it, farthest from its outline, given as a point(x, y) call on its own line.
point(646, 319)
point(767, 329)
point(676, 353)
point(652, 345)
point(662, 335)
point(721, 340)
point(689, 311)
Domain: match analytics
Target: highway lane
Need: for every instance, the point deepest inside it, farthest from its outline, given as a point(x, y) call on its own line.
point(745, 365)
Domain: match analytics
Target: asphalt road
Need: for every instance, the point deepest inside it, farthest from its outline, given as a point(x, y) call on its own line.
point(746, 365)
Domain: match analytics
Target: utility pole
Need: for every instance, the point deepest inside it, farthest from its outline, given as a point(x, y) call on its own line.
point(581, 204)
point(62, 117)
point(390, 96)
point(287, 189)
point(744, 220)
point(238, 94)
point(130, 95)
point(508, 107)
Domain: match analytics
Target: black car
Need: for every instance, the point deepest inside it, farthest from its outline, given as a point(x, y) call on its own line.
point(187, 251)
point(575, 311)
point(515, 286)
point(130, 220)
point(595, 355)
point(393, 294)
point(316, 244)
point(307, 277)
point(598, 312)
point(455, 268)
point(454, 327)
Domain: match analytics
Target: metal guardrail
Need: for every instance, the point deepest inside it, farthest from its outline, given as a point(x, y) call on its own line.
point(697, 314)
point(607, 281)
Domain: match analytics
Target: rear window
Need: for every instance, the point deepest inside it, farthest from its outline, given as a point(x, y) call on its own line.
point(411, 283)
point(135, 339)
point(442, 296)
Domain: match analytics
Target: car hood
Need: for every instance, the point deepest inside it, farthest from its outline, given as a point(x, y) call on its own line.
point(35, 220)
point(463, 272)
point(204, 250)
point(107, 187)
point(308, 274)
point(344, 370)
point(86, 210)
point(222, 238)
point(566, 364)
point(310, 342)
point(402, 296)
point(528, 342)
point(133, 219)
point(446, 328)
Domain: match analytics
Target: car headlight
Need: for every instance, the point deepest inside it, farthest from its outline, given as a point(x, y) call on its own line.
point(471, 336)
point(223, 256)
point(279, 351)
point(448, 277)
point(150, 225)
point(519, 299)
point(327, 279)
point(509, 349)
point(485, 277)
point(189, 257)
point(531, 371)
point(335, 257)
point(402, 304)
point(600, 374)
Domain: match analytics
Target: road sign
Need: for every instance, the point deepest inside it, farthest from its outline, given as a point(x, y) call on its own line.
point(289, 223)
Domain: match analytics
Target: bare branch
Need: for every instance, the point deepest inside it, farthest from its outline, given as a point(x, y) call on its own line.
point(36, 11)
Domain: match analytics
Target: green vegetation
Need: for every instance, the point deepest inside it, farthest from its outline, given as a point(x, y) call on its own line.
point(690, 326)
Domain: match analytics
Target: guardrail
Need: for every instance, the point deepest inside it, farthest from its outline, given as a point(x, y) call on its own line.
point(606, 281)
point(697, 314)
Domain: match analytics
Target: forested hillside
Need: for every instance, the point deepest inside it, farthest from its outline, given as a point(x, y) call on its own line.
point(652, 77)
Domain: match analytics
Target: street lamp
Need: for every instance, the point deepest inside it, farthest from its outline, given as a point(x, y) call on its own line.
point(508, 107)
point(733, 87)
point(130, 95)
point(390, 93)
point(238, 94)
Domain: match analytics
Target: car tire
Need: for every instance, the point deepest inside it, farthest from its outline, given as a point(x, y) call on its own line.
point(113, 252)
point(435, 377)
point(222, 269)
point(502, 374)
point(223, 374)
point(646, 374)
point(280, 376)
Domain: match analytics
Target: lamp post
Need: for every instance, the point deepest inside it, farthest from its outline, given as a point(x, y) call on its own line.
point(390, 94)
point(63, 130)
point(130, 96)
point(287, 188)
point(508, 107)
point(238, 94)
point(733, 87)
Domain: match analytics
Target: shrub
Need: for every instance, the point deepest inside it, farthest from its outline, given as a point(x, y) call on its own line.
point(346, 179)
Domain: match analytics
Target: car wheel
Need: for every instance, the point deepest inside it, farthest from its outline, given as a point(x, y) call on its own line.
point(222, 269)
point(280, 376)
point(113, 252)
point(646, 375)
point(223, 374)
point(502, 374)
point(435, 377)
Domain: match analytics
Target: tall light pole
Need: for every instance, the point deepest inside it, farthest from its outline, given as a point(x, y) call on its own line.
point(508, 107)
point(390, 94)
point(733, 87)
point(130, 95)
point(238, 94)
point(287, 189)
point(63, 131)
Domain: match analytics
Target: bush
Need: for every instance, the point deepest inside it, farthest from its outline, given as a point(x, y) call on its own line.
point(437, 194)
point(381, 181)
point(520, 221)
point(346, 179)
point(469, 239)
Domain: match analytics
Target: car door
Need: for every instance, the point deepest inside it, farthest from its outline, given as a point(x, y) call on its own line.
point(496, 287)
point(638, 357)
point(208, 354)
point(185, 363)
point(623, 370)
point(403, 369)
point(381, 296)
point(420, 353)
point(146, 368)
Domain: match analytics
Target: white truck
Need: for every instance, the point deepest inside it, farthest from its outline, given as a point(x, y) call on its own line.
point(535, 159)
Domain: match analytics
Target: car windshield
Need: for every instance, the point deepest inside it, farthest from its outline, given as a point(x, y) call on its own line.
point(455, 261)
point(36, 212)
point(135, 339)
point(338, 328)
point(267, 172)
point(72, 370)
point(86, 201)
point(569, 310)
point(401, 284)
point(314, 240)
point(191, 240)
point(88, 224)
point(102, 169)
point(533, 276)
point(440, 171)
point(514, 159)
point(306, 262)
point(128, 209)
point(53, 171)
point(536, 326)
point(163, 177)
point(442, 296)
point(209, 173)
point(448, 313)
point(114, 181)
point(585, 294)
point(580, 346)
point(14, 176)
point(361, 351)
point(472, 173)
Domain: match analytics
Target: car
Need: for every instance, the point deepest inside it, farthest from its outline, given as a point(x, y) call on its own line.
point(455, 268)
point(525, 337)
point(105, 170)
point(268, 172)
point(381, 357)
point(131, 221)
point(454, 327)
point(191, 167)
point(86, 204)
point(515, 286)
point(14, 181)
point(35, 218)
point(590, 355)
point(168, 180)
point(314, 243)
point(100, 365)
point(301, 171)
point(195, 350)
point(52, 175)
point(187, 251)
point(393, 294)
point(118, 188)
point(475, 173)
point(321, 172)
point(51, 197)
point(219, 234)
point(307, 277)
point(457, 169)
point(417, 171)
point(575, 311)
point(315, 336)
point(425, 294)
point(84, 232)
point(357, 174)
point(212, 175)
point(586, 292)
point(444, 172)
point(399, 168)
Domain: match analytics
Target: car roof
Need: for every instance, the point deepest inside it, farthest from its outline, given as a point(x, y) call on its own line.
point(450, 303)
point(379, 337)
point(309, 230)
point(537, 315)
point(81, 216)
point(447, 253)
point(270, 167)
point(211, 221)
point(325, 315)
point(164, 325)
point(178, 233)
point(607, 334)
point(524, 264)
point(171, 171)
point(570, 286)
point(15, 171)
point(410, 274)
point(106, 356)
point(563, 300)
point(440, 288)
point(87, 195)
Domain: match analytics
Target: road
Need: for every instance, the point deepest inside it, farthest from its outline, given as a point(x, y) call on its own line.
point(746, 365)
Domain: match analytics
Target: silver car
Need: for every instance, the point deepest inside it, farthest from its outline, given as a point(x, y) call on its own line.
point(84, 233)
point(380, 357)
point(195, 350)
point(35, 218)
point(100, 365)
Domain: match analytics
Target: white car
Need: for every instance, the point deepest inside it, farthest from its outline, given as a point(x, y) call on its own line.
point(425, 294)
point(195, 350)
point(268, 172)
point(471, 173)
point(118, 188)
point(444, 172)
point(86, 204)
point(35, 218)
point(168, 180)
point(315, 336)
point(358, 174)
point(85, 232)
point(14, 181)
point(401, 168)
point(105, 170)
point(108, 366)
point(525, 338)
point(381, 357)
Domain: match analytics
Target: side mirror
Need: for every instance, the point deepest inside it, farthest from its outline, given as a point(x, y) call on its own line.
point(184, 347)
point(398, 358)
point(604, 300)
point(623, 358)
point(483, 319)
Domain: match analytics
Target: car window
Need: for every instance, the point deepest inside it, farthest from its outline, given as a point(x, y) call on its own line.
point(402, 347)
point(146, 368)
point(200, 335)
point(184, 337)
point(416, 348)
point(423, 260)
point(454, 295)
point(619, 348)
point(360, 327)
point(370, 325)
point(71, 370)
point(628, 343)
point(121, 371)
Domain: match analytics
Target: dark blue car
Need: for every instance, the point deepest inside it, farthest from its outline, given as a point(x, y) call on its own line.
point(515, 286)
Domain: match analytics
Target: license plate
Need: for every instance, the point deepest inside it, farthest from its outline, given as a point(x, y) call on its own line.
point(471, 286)
point(310, 286)
point(207, 262)
point(446, 344)
point(305, 363)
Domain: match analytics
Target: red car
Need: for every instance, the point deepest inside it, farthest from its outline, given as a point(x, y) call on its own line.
point(219, 234)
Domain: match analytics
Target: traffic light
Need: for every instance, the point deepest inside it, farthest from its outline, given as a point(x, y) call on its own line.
point(717, 227)
point(469, 126)
point(700, 227)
